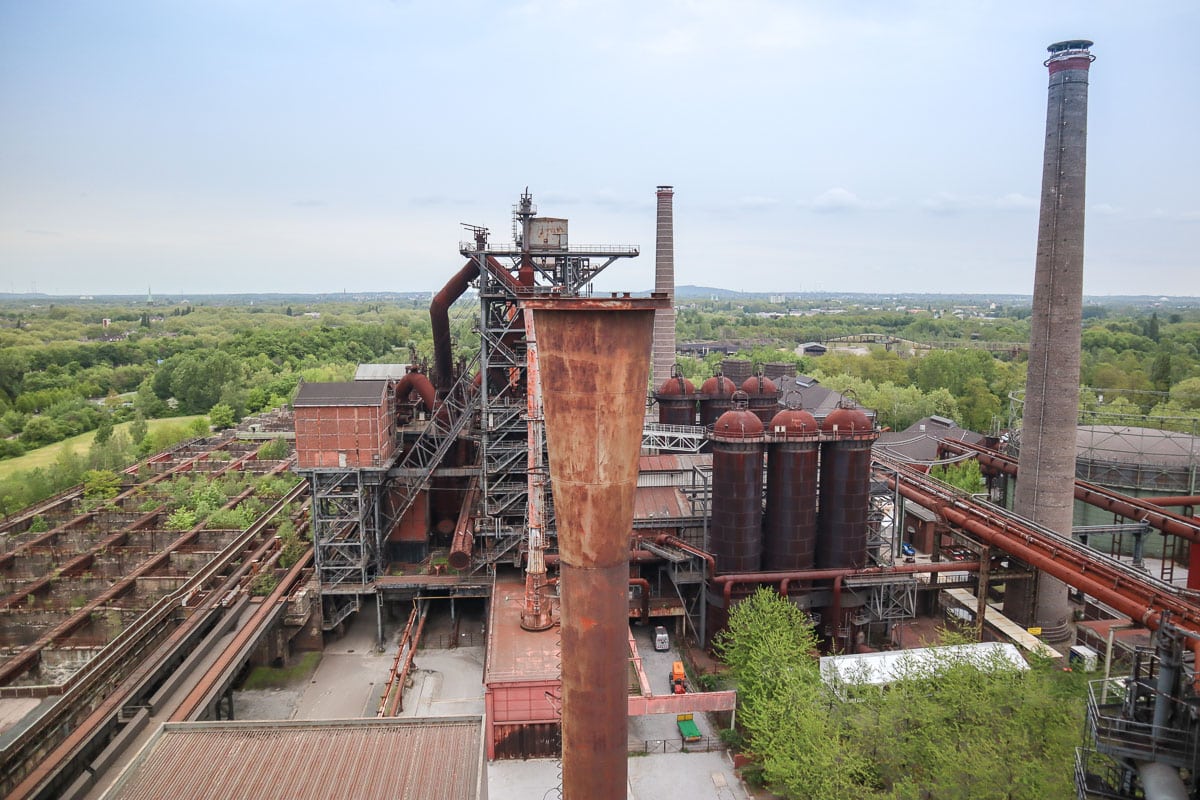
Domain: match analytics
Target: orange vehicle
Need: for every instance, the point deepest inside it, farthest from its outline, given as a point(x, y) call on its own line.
point(678, 678)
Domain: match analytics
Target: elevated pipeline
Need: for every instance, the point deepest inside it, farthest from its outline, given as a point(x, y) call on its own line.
point(674, 541)
point(1140, 509)
point(439, 313)
point(1142, 599)
point(785, 577)
point(416, 382)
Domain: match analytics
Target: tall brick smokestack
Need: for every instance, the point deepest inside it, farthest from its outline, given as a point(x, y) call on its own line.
point(1045, 489)
point(664, 282)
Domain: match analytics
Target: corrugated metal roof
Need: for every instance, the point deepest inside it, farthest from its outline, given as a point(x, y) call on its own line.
point(679, 462)
point(514, 654)
point(1123, 443)
point(880, 669)
point(345, 393)
point(652, 503)
point(380, 372)
point(919, 441)
point(430, 759)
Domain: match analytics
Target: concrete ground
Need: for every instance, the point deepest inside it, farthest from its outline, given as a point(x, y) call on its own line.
point(695, 776)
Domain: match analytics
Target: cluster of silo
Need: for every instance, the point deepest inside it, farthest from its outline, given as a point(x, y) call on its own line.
point(818, 490)
point(790, 518)
point(676, 399)
point(737, 448)
point(847, 435)
point(763, 396)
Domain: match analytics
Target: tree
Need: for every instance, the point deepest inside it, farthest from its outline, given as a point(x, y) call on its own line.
point(100, 485)
point(964, 475)
point(104, 430)
point(221, 417)
point(769, 645)
point(138, 430)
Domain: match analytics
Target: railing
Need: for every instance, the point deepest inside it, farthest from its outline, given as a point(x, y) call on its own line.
point(449, 641)
point(1116, 733)
point(706, 744)
point(471, 248)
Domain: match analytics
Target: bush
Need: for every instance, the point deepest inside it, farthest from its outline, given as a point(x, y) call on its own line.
point(181, 519)
point(263, 584)
point(275, 450)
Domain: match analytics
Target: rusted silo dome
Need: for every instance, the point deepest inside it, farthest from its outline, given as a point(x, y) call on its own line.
point(793, 421)
point(676, 386)
point(718, 386)
point(759, 384)
point(847, 420)
point(738, 423)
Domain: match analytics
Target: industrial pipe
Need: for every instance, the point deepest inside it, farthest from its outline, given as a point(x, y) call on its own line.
point(439, 320)
point(675, 541)
point(416, 382)
point(1137, 508)
point(727, 582)
point(1172, 502)
point(1161, 781)
point(439, 315)
point(464, 533)
point(1141, 603)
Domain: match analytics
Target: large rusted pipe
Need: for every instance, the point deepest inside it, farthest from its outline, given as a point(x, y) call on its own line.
point(1140, 602)
point(1139, 508)
point(727, 582)
point(419, 383)
point(439, 320)
point(675, 541)
point(464, 531)
point(439, 315)
point(594, 356)
point(1172, 502)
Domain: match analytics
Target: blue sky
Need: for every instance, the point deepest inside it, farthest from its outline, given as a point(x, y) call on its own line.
point(219, 146)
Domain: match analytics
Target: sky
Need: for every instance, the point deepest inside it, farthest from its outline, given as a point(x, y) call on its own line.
point(209, 146)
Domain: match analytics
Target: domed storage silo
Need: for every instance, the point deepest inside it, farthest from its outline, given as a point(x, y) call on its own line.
point(737, 448)
point(676, 400)
point(716, 397)
point(845, 492)
point(790, 517)
point(764, 397)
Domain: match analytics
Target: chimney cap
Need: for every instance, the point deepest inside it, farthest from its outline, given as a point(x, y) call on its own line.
point(1070, 44)
point(666, 188)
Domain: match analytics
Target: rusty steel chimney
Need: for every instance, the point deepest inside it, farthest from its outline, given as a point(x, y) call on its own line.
point(664, 283)
point(594, 357)
point(1045, 489)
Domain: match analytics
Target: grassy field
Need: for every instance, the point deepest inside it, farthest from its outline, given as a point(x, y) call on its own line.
point(44, 456)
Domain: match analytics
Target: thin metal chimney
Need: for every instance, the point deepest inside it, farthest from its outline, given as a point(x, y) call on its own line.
point(1045, 489)
point(664, 283)
point(594, 356)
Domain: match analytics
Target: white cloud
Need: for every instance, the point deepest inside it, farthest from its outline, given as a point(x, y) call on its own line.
point(839, 200)
point(1015, 201)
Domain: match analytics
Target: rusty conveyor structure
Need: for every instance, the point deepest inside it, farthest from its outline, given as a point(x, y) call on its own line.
point(1149, 511)
point(1144, 599)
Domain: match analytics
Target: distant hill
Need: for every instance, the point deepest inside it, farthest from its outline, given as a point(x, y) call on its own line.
point(687, 292)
